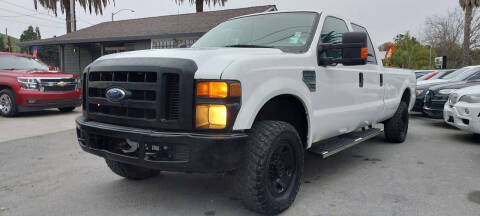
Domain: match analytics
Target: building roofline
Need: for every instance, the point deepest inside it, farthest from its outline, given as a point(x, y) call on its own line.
point(62, 40)
point(108, 39)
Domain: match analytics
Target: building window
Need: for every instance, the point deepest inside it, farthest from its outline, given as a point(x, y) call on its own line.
point(172, 43)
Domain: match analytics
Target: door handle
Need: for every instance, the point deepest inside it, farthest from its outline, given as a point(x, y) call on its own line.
point(381, 80)
point(360, 80)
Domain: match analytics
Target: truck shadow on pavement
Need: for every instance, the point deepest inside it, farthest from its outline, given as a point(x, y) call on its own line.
point(214, 194)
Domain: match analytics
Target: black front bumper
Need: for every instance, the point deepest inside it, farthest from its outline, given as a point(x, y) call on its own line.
point(433, 112)
point(168, 151)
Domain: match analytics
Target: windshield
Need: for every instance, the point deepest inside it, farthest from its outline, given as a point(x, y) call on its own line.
point(21, 63)
point(460, 74)
point(287, 31)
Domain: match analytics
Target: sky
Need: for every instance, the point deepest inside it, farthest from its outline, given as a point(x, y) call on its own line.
point(383, 18)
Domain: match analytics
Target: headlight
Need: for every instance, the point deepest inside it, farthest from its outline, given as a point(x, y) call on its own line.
point(78, 83)
point(215, 89)
point(419, 92)
point(446, 91)
point(211, 116)
point(470, 98)
point(453, 99)
point(217, 104)
point(28, 83)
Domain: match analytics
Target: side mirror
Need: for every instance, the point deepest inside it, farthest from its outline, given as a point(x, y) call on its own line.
point(51, 68)
point(354, 50)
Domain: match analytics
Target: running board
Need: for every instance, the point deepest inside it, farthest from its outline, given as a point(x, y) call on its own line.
point(337, 144)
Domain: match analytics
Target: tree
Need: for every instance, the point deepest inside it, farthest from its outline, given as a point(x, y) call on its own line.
point(199, 3)
point(29, 35)
point(2, 43)
point(468, 6)
point(92, 5)
point(445, 32)
point(409, 53)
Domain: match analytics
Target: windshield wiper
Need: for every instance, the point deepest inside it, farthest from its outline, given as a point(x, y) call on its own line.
point(249, 46)
point(8, 69)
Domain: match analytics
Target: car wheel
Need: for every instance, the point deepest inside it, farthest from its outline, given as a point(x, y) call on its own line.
point(269, 178)
point(8, 106)
point(396, 128)
point(130, 171)
point(66, 109)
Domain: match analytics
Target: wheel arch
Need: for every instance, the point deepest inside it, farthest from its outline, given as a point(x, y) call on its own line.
point(288, 108)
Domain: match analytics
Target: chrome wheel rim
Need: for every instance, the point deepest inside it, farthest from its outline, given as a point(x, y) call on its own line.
point(5, 103)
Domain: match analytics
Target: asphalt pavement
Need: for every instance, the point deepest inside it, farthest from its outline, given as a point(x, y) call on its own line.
point(435, 172)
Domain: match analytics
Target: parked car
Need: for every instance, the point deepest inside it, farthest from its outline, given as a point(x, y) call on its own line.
point(428, 76)
point(437, 96)
point(463, 109)
point(251, 96)
point(27, 84)
point(420, 73)
point(441, 74)
point(462, 74)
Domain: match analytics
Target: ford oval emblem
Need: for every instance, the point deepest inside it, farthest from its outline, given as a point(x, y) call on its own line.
point(115, 94)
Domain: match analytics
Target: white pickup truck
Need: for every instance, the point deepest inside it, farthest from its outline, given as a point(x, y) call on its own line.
point(251, 97)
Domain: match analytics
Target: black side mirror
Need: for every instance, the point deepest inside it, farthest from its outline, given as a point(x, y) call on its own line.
point(354, 50)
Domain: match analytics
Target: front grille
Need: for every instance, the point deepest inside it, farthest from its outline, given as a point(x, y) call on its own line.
point(152, 98)
point(172, 89)
point(122, 111)
point(433, 101)
point(57, 85)
point(59, 88)
point(124, 76)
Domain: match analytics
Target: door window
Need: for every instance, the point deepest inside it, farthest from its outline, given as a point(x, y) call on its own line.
point(332, 32)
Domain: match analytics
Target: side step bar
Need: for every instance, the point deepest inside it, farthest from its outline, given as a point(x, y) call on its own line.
point(337, 144)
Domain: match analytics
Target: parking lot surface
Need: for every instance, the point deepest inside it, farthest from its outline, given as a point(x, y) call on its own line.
point(435, 172)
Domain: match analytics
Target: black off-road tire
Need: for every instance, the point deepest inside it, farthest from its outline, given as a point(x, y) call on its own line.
point(130, 171)
point(396, 128)
point(13, 111)
point(66, 109)
point(267, 140)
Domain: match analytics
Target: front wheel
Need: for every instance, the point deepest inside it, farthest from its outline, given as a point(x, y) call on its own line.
point(269, 178)
point(8, 106)
point(396, 128)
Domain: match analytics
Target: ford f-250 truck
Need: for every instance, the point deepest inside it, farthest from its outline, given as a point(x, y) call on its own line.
point(251, 96)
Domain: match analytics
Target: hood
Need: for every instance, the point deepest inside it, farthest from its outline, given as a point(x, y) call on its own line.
point(469, 90)
point(430, 82)
point(425, 84)
point(454, 85)
point(30, 73)
point(211, 62)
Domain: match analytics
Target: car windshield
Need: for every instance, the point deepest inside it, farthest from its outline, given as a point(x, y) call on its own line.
point(21, 63)
point(460, 74)
point(290, 32)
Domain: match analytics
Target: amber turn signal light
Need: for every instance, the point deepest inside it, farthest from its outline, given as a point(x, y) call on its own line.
point(212, 89)
point(364, 52)
point(211, 116)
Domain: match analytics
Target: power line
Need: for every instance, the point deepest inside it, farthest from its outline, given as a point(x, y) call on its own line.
point(58, 22)
point(41, 24)
point(56, 17)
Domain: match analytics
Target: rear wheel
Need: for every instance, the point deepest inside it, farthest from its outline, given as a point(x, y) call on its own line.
point(130, 171)
point(66, 109)
point(396, 128)
point(269, 179)
point(8, 106)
